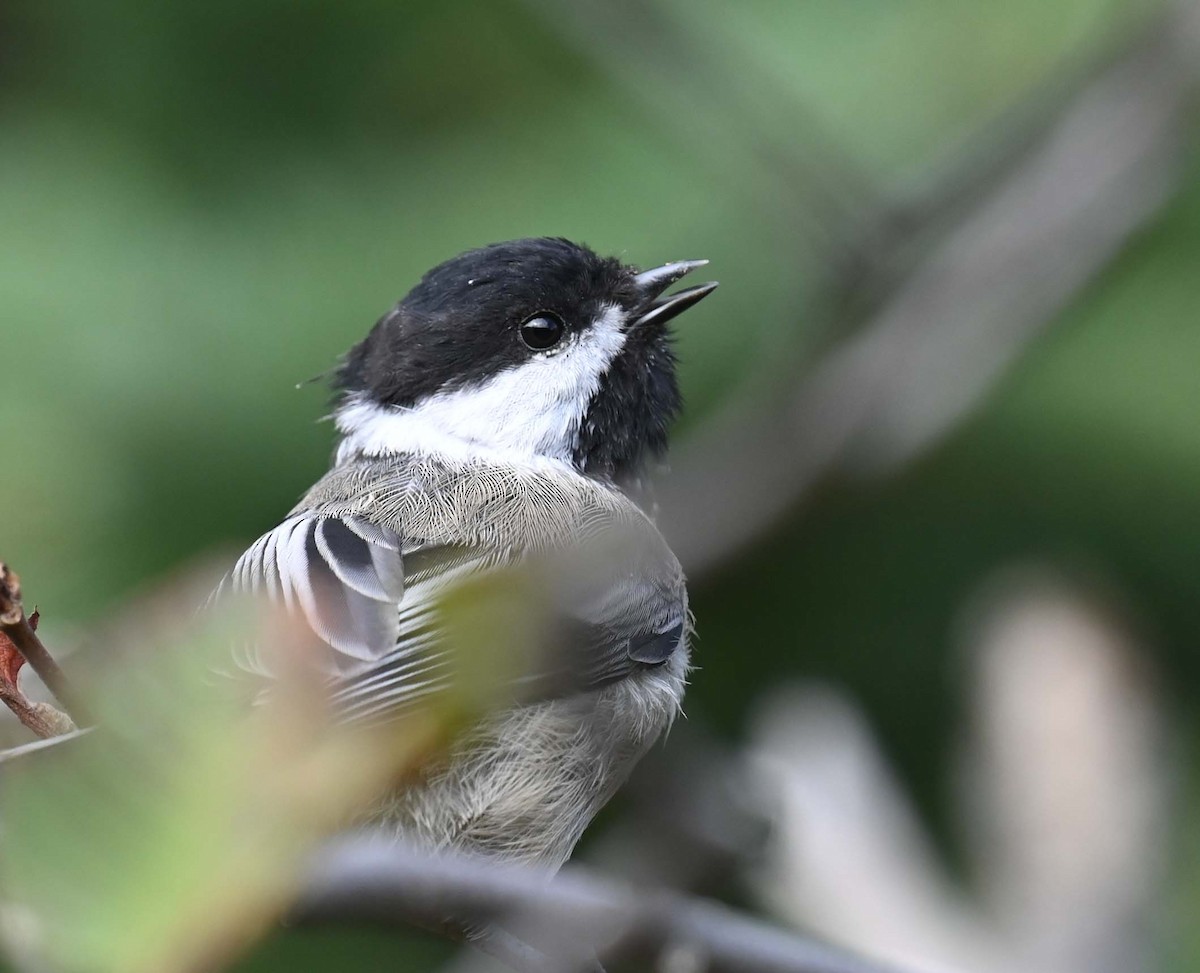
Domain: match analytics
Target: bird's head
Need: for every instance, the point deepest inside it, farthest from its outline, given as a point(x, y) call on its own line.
point(530, 350)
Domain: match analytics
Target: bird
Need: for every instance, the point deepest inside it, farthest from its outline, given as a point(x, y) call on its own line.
point(504, 414)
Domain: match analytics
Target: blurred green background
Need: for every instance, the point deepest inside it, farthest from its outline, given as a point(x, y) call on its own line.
point(205, 204)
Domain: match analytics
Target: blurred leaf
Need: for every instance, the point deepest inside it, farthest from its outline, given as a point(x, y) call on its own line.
point(172, 835)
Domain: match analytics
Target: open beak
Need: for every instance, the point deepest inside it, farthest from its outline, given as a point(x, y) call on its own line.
point(658, 309)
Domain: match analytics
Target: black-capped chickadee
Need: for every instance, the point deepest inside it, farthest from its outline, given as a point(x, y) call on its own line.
point(502, 412)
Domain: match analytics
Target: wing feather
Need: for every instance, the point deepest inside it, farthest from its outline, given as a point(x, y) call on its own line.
point(373, 599)
point(344, 580)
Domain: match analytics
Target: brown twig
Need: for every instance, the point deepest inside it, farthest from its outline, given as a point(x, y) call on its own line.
point(20, 634)
point(42, 718)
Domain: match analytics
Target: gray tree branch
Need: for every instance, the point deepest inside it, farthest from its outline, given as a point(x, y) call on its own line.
point(566, 917)
point(948, 332)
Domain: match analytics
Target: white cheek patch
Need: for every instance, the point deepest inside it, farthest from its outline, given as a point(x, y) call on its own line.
point(525, 413)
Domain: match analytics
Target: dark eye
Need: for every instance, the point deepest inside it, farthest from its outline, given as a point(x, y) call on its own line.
point(543, 330)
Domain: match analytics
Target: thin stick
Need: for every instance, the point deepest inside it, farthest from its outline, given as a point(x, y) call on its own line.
point(38, 746)
point(16, 627)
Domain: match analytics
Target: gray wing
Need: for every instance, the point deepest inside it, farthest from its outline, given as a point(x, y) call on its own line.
point(372, 598)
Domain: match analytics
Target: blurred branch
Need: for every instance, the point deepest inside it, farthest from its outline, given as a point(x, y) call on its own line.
point(368, 880)
point(19, 633)
point(921, 208)
point(850, 858)
point(1065, 784)
point(998, 277)
point(1067, 778)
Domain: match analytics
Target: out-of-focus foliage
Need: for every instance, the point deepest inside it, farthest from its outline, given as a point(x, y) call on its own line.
point(171, 836)
point(204, 204)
